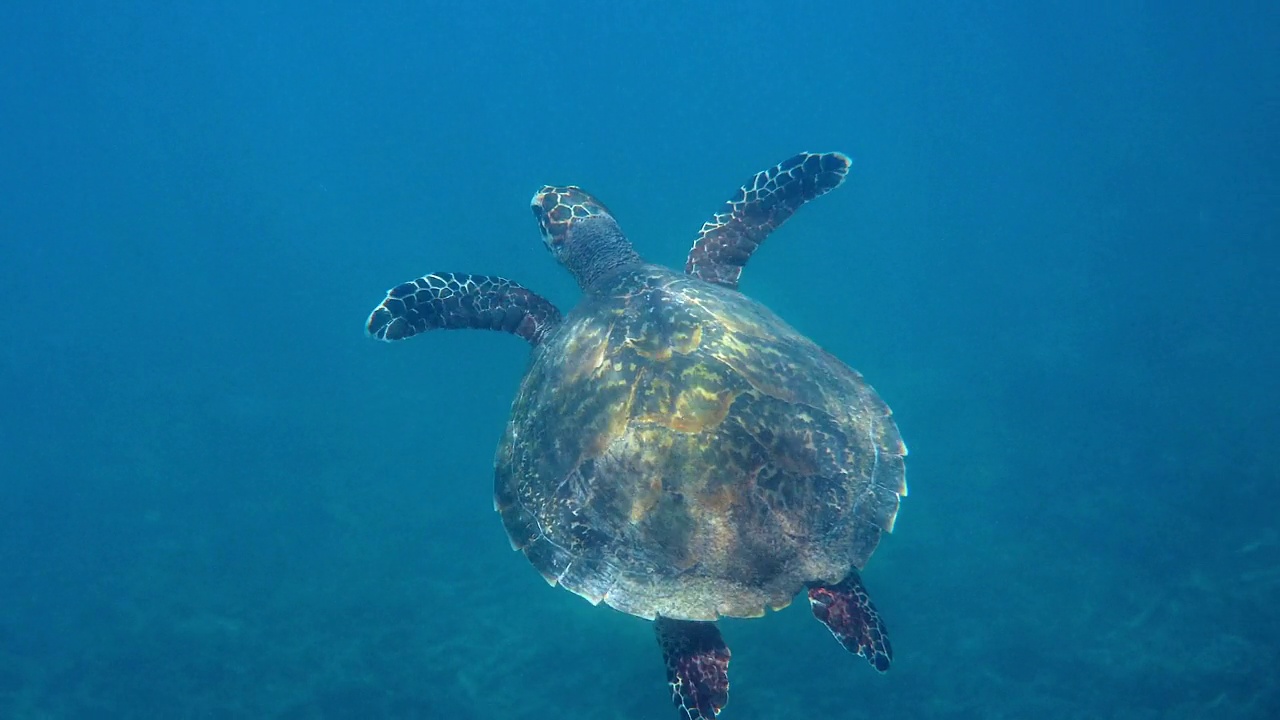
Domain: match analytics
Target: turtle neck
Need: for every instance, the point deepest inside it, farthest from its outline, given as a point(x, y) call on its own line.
point(596, 248)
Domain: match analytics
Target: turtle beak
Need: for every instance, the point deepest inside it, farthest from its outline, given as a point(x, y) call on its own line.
point(543, 203)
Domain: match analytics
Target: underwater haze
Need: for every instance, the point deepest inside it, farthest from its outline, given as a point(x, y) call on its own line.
point(1055, 258)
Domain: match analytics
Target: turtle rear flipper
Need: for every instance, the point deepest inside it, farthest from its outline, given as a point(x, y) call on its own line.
point(457, 301)
point(846, 610)
point(697, 666)
point(763, 203)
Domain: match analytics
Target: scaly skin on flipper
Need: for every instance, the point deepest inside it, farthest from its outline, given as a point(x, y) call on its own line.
point(455, 301)
point(846, 610)
point(697, 666)
point(676, 450)
point(763, 203)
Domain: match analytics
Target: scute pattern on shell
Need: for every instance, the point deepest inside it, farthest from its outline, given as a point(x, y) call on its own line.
point(676, 449)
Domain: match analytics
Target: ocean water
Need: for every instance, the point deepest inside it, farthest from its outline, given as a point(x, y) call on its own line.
point(1055, 257)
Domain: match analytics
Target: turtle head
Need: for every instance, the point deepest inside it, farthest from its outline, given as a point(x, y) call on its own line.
point(579, 230)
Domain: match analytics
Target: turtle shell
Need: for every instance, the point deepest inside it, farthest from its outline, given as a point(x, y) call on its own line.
point(677, 449)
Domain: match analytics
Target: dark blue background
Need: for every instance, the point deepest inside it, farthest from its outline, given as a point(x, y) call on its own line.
point(1055, 258)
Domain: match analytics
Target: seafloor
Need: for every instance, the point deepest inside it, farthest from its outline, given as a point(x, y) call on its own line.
point(310, 577)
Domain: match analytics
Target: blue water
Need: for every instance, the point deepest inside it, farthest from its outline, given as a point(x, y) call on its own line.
point(1055, 258)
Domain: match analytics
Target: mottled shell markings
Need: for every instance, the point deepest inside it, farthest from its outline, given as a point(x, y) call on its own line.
point(676, 450)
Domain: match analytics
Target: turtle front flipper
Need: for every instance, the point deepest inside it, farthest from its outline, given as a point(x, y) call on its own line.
point(456, 301)
point(697, 666)
point(846, 609)
point(762, 204)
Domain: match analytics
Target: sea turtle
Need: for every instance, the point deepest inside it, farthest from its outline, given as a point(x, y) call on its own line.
point(676, 450)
